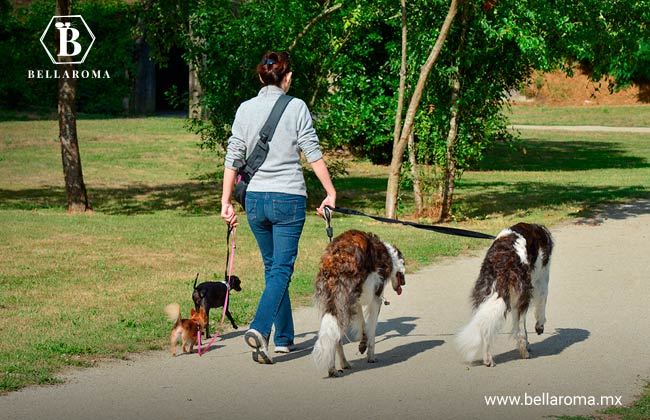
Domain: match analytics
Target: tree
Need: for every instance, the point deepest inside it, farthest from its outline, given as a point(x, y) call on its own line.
point(400, 145)
point(73, 175)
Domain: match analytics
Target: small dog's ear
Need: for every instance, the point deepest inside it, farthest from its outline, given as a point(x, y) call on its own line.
point(193, 312)
point(201, 311)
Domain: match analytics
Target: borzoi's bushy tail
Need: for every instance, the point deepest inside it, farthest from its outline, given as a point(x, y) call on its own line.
point(485, 324)
point(325, 348)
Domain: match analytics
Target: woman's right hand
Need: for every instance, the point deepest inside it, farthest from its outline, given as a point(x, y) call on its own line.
point(328, 201)
point(228, 213)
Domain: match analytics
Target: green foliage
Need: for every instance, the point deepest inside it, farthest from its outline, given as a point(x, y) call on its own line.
point(607, 39)
point(359, 113)
point(19, 39)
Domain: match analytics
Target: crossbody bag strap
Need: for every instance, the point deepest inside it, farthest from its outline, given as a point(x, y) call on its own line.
point(258, 155)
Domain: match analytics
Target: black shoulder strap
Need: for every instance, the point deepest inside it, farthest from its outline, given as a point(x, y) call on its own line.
point(258, 155)
point(266, 134)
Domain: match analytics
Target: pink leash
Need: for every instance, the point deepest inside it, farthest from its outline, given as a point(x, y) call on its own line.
point(231, 229)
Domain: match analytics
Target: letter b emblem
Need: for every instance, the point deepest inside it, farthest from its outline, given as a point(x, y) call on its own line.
point(69, 36)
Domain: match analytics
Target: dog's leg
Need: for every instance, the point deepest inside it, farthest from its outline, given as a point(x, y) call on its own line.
point(540, 313)
point(487, 356)
point(370, 327)
point(487, 339)
point(340, 355)
point(173, 341)
point(232, 321)
point(206, 309)
point(540, 295)
point(519, 332)
point(359, 328)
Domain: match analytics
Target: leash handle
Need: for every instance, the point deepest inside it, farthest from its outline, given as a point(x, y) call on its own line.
point(328, 221)
point(230, 257)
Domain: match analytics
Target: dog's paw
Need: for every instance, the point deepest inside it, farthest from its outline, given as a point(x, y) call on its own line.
point(333, 373)
point(372, 360)
point(235, 327)
point(539, 329)
point(363, 346)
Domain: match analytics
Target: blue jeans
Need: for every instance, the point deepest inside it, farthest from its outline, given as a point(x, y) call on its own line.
point(276, 220)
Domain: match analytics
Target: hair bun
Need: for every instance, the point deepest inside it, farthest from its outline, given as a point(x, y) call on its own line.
point(273, 67)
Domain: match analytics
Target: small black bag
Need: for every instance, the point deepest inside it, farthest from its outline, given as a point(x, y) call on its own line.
point(240, 192)
point(246, 170)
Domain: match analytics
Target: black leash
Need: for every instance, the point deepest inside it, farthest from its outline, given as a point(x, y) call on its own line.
point(438, 229)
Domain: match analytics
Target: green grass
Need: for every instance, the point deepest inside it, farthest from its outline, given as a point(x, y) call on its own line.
point(616, 116)
point(78, 288)
point(639, 410)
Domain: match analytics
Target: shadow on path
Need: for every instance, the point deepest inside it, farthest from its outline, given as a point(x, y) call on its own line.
point(551, 346)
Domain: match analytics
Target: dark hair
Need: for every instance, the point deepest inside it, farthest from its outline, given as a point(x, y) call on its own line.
point(273, 67)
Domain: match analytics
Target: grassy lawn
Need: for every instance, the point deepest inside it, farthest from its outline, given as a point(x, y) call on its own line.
point(86, 287)
point(615, 116)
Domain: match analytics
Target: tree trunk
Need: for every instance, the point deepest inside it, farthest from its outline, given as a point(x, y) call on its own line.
point(446, 191)
point(415, 174)
point(197, 109)
point(145, 80)
point(402, 79)
point(450, 169)
point(73, 175)
point(392, 188)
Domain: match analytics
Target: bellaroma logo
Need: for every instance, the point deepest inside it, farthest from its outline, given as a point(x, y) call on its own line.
point(68, 35)
point(67, 40)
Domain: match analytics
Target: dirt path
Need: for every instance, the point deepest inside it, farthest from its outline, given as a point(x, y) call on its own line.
point(596, 344)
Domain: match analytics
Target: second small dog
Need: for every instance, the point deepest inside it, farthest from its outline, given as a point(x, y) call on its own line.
point(185, 328)
point(212, 294)
point(514, 275)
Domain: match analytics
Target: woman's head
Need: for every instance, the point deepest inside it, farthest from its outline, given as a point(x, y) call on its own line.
point(274, 67)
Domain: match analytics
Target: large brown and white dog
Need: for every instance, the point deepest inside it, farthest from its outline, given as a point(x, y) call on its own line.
point(514, 274)
point(349, 290)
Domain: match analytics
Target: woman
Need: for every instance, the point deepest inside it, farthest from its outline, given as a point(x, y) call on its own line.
point(276, 197)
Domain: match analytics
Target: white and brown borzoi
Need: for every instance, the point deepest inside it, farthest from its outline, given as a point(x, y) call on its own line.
point(514, 274)
point(349, 289)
